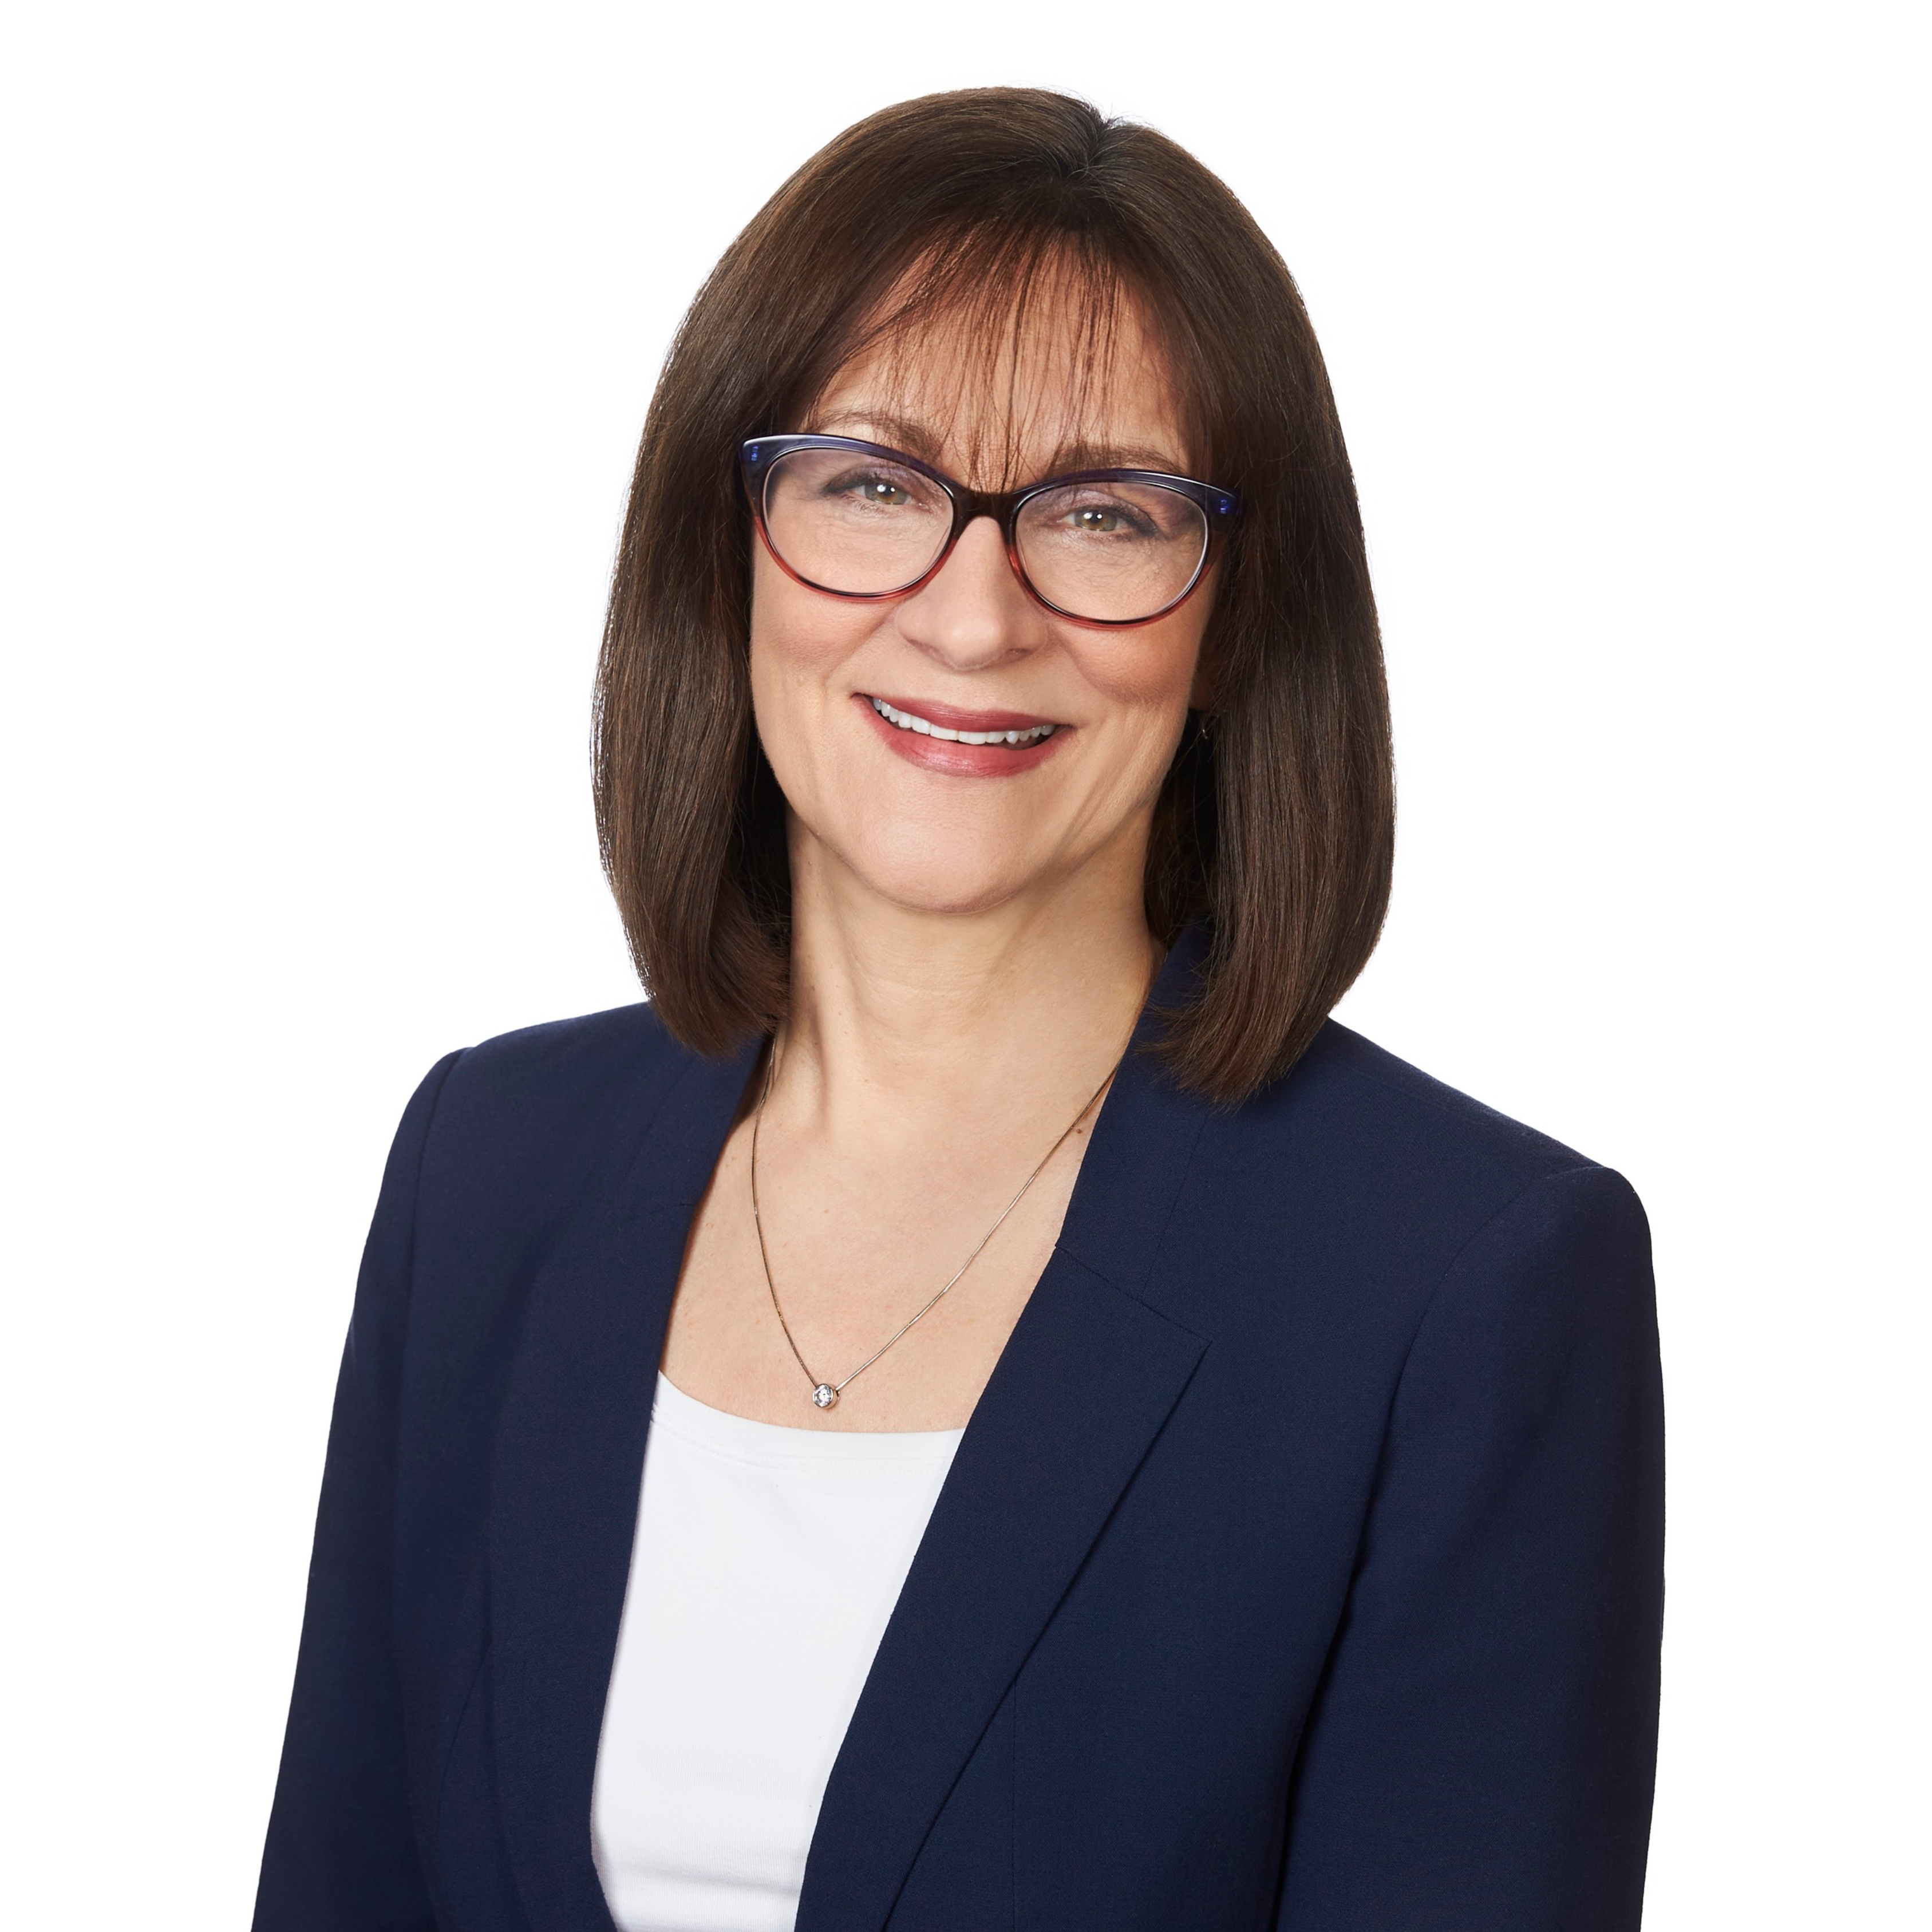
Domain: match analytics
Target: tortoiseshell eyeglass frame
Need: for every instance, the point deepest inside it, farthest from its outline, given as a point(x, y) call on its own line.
point(1222, 509)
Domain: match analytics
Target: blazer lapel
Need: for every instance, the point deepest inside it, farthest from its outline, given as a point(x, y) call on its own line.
point(1086, 1382)
point(570, 1462)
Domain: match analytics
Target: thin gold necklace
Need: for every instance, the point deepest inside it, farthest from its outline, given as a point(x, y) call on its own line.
point(826, 1394)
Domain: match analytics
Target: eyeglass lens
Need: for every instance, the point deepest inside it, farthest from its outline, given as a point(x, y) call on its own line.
point(864, 526)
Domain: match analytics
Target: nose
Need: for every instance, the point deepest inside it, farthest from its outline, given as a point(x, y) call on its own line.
point(973, 613)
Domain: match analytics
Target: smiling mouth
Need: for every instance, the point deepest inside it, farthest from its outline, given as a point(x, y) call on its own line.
point(911, 720)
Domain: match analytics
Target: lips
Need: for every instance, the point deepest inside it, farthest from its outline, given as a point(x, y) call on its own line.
point(971, 727)
point(970, 744)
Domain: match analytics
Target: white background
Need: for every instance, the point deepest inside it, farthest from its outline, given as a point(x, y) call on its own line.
point(327, 334)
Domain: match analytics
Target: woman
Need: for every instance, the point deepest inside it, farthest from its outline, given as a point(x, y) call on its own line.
point(979, 1405)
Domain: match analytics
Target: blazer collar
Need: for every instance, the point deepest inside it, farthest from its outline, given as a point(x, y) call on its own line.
point(1083, 1387)
point(569, 1467)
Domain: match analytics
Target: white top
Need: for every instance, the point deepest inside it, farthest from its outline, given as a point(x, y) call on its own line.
point(767, 1562)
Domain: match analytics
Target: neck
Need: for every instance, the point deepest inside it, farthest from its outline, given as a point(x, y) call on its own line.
point(910, 1024)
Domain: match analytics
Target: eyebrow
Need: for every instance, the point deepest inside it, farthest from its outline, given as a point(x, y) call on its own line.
point(916, 439)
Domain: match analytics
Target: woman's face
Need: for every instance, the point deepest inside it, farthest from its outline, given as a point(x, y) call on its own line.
point(938, 825)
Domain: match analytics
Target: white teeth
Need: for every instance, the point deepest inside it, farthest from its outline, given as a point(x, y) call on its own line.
point(911, 720)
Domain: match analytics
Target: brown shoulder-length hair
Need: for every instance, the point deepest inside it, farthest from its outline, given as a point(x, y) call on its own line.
point(1275, 826)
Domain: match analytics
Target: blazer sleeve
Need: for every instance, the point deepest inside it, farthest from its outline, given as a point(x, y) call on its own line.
point(341, 1854)
point(1480, 1754)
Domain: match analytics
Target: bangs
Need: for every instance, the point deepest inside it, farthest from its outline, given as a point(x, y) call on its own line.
point(1036, 324)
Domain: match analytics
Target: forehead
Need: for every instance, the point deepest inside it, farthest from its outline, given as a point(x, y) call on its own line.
point(1064, 378)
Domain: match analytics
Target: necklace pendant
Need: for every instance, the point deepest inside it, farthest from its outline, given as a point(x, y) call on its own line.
point(824, 1397)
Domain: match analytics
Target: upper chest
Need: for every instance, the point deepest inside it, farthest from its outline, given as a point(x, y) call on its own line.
point(897, 1284)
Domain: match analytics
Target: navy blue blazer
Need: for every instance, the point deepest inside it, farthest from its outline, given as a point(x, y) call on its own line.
point(1301, 1567)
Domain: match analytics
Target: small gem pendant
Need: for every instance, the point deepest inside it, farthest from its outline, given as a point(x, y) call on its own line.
point(824, 1397)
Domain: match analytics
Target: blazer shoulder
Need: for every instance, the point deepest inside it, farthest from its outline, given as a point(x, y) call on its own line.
point(1351, 1075)
point(553, 1100)
point(1346, 1192)
point(1354, 1151)
point(570, 1059)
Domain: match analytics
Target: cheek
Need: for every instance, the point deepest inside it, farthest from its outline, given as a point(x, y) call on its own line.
point(795, 630)
point(798, 640)
point(1148, 675)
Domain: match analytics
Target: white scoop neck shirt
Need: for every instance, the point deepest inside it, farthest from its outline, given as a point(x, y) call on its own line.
point(766, 1564)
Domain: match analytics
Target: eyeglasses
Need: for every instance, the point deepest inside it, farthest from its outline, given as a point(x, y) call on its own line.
point(1100, 546)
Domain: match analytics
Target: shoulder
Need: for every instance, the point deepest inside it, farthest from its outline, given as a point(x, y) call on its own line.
point(505, 1149)
point(545, 1078)
point(1345, 1072)
point(1366, 1117)
point(1368, 1181)
point(530, 1123)
point(564, 1064)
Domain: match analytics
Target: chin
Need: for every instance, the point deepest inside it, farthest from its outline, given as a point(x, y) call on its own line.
point(939, 871)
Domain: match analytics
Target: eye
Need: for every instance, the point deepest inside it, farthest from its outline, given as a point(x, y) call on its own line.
point(875, 489)
point(1091, 515)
